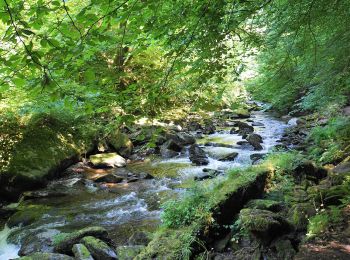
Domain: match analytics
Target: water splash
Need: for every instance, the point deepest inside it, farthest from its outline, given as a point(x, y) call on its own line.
point(7, 251)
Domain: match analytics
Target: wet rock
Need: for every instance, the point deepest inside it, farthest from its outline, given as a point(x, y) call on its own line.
point(121, 143)
point(181, 138)
point(209, 129)
point(197, 155)
point(271, 205)
point(26, 215)
point(299, 214)
point(228, 157)
point(308, 170)
point(129, 252)
point(255, 140)
point(45, 256)
point(6, 211)
point(64, 242)
point(242, 143)
point(244, 128)
point(257, 124)
point(219, 145)
point(81, 252)
point(145, 176)
point(110, 178)
point(99, 249)
point(207, 175)
point(107, 160)
point(257, 157)
point(263, 224)
point(42, 194)
point(38, 241)
point(233, 131)
point(170, 149)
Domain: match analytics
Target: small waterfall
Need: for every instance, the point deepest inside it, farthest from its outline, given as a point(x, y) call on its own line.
point(7, 251)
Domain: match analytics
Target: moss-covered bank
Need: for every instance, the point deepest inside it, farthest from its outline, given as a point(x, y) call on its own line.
point(192, 223)
point(36, 148)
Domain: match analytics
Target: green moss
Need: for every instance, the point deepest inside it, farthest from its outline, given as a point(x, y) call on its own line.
point(27, 214)
point(44, 142)
point(271, 205)
point(183, 219)
point(159, 170)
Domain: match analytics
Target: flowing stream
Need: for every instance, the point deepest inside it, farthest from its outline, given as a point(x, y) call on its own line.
point(127, 209)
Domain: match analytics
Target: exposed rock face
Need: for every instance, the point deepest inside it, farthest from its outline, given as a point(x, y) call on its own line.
point(255, 140)
point(66, 241)
point(81, 252)
point(99, 249)
point(121, 143)
point(197, 155)
point(107, 160)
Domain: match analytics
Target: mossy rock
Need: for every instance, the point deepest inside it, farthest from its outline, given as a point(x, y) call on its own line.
point(107, 160)
point(64, 242)
point(128, 252)
point(26, 215)
point(81, 252)
point(329, 195)
point(299, 215)
point(270, 205)
point(121, 143)
point(98, 249)
point(263, 224)
point(45, 256)
point(45, 146)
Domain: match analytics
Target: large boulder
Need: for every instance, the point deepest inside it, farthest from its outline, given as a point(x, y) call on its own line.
point(197, 155)
point(64, 242)
point(99, 249)
point(107, 160)
point(121, 143)
point(40, 150)
point(37, 241)
point(263, 224)
point(255, 140)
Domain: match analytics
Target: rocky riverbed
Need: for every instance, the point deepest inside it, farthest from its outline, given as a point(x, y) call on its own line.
point(121, 187)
